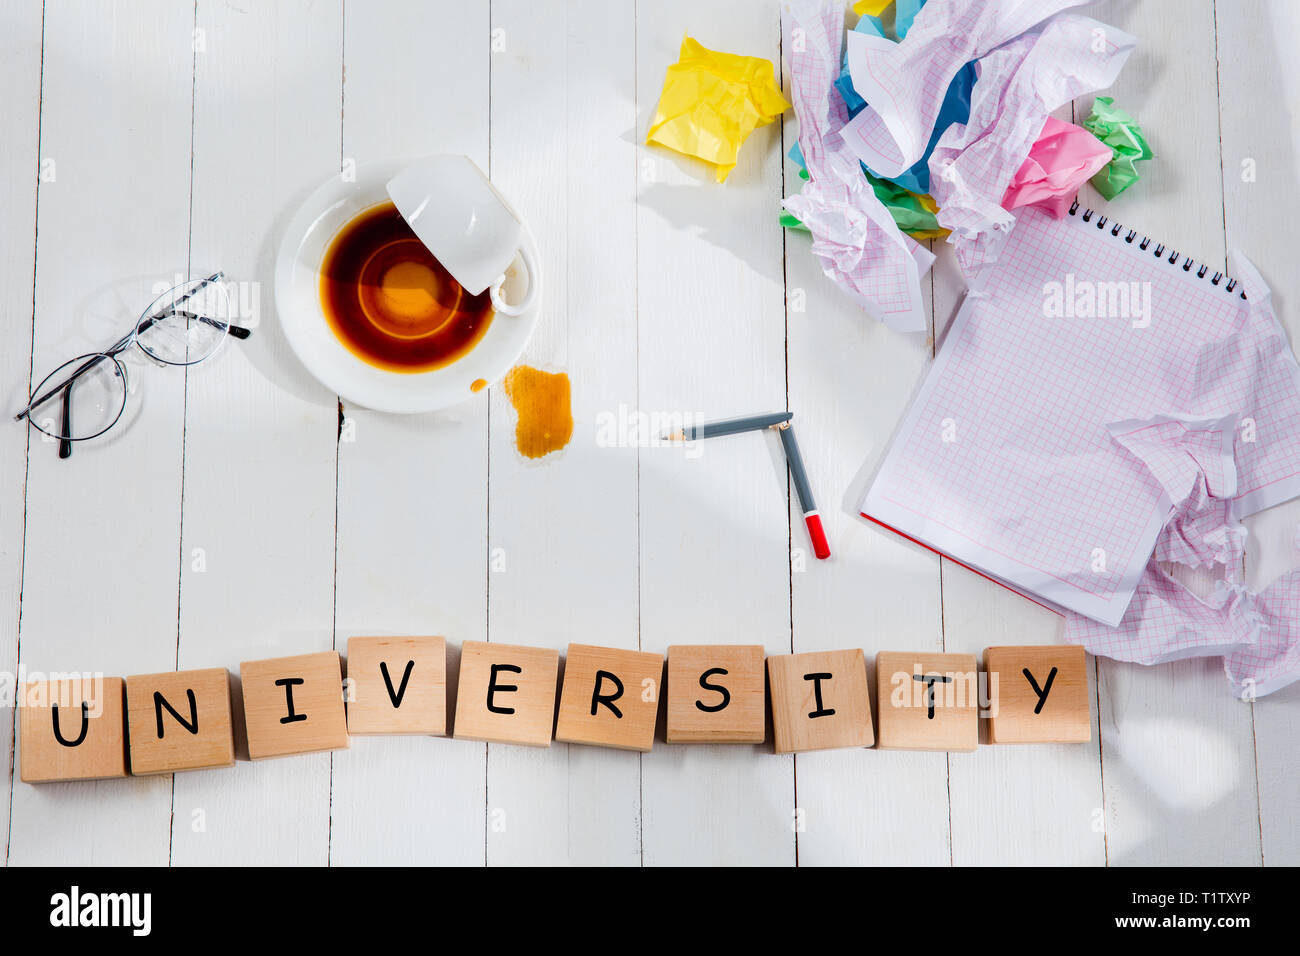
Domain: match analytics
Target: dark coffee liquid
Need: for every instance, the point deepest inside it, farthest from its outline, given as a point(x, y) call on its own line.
point(391, 302)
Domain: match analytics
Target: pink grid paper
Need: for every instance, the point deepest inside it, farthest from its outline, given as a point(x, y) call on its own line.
point(854, 237)
point(905, 83)
point(1019, 85)
point(1034, 489)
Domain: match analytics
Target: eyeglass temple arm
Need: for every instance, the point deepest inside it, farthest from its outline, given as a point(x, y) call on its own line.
point(65, 443)
point(67, 382)
point(238, 331)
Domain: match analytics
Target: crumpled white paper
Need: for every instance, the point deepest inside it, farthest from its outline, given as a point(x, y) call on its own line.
point(854, 237)
point(904, 83)
point(1019, 85)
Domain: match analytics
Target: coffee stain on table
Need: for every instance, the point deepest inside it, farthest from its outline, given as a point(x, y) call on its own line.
point(542, 402)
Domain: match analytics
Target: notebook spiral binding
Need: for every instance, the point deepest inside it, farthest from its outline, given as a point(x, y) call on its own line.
point(1158, 252)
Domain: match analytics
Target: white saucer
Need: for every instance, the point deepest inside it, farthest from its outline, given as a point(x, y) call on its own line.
point(298, 306)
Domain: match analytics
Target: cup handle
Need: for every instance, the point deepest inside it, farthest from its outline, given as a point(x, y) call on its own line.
point(504, 307)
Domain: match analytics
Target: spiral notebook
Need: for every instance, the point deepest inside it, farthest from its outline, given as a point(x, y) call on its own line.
point(1006, 460)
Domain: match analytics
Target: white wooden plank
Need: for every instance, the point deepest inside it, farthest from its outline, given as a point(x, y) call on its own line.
point(20, 77)
point(714, 528)
point(100, 571)
point(1259, 81)
point(412, 498)
point(564, 528)
point(1177, 749)
point(258, 524)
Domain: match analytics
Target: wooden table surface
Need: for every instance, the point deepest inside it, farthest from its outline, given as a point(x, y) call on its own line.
point(231, 519)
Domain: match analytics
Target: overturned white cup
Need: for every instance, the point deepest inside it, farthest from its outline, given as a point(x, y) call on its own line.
point(454, 210)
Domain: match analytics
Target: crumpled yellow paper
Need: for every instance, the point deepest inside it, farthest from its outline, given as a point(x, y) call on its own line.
point(711, 103)
point(871, 8)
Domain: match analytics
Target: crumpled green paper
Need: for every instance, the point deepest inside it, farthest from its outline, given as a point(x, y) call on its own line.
point(712, 101)
point(1122, 134)
point(913, 212)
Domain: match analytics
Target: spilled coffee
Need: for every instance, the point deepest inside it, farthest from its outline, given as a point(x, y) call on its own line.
point(391, 303)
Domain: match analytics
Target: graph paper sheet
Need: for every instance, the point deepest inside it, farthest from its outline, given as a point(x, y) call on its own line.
point(905, 83)
point(1019, 84)
point(1009, 459)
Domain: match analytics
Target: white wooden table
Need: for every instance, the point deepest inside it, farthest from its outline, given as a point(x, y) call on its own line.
point(229, 522)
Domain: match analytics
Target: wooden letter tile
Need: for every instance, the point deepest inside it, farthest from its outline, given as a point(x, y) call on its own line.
point(820, 700)
point(927, 701)
point(180, 721)
point(610, 697)
point(294, 705)
point(1040, 694)
point(72, 730)
point(506, 693)
point(397, 685)
point(716, 694)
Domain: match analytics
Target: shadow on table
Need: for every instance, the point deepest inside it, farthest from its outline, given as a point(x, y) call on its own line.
point(722, 214)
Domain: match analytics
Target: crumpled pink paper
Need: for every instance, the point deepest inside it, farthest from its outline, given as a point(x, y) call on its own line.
point(1062, 159)
point(855, 238)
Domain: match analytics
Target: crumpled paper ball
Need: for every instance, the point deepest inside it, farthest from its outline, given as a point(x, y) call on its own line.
point(1062, 159)
point(712, 101)
point(1128, 146)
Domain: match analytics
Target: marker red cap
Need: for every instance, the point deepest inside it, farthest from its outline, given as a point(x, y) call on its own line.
point(811, 516)
point(821, 547)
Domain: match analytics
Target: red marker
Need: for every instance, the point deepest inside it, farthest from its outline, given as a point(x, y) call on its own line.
point(811, 516)
point(781, 422)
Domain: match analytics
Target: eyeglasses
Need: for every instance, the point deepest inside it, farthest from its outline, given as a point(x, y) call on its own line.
point(85, 396)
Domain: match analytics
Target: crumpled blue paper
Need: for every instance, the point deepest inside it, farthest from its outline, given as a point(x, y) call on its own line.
point(843, 83)
point(905, 12)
